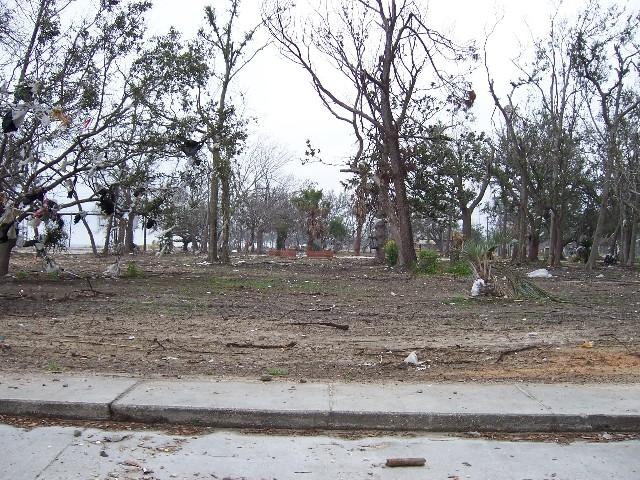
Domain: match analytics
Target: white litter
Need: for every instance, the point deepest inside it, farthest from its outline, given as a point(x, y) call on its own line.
point(540, 273)
point(476, 289)
point(412, 359)
point(52, 267)
point(600, 276)
point(112, 271)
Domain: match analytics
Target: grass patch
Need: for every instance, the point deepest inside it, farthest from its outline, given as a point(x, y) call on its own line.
point(132, 271)
point(461, 300)
point(222, 283)
point(21, 275)
point(277, 372)
point(53, 366)
point(459, 269)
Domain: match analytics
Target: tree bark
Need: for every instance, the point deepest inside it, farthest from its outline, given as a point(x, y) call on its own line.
point(129, 245)
point(357, 243)
point(5, 255)
point(534, 246)
point(523, 216)
point(466, 223)
point(597, 235)
point(107, 237)
point(225, 207)
point(260, 241)
point(213, 219)
point(405, 230)
point(632, 245)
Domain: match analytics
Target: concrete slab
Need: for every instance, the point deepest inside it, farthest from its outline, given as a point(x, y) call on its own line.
point(471, 407)
point(588, 399)
point(60, 396)
point(232, 455)
point(598, 407)
point(25, 454)
point(227, 404)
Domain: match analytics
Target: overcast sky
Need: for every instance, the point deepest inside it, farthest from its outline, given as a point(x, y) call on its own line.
point(278, 93)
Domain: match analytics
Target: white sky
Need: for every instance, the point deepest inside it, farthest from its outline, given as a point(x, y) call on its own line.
point(278, 93)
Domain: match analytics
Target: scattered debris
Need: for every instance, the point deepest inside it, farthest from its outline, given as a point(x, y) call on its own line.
point(254, 345)
point(406, 462)
point(323, 324)
point(112, 270)
point(540, 273)
point(476, 289)
point(412, 359)
point(515, 350)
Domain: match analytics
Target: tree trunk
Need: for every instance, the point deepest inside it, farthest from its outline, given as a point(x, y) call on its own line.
point(5, 255)
point(597, 235)
point(129, 245)
point(632, 245)
point(357, 243)
point(405, 230)
point(225, 206)
point(554, 231)
point(534, 246)
point(380, 232)
point(107, 237)
point(522, 220)
point(213, 219)
point(252, 239)
point(466, 223)
point(260, 241)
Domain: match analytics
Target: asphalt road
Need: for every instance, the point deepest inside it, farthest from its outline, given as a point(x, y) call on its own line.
point(80, 453)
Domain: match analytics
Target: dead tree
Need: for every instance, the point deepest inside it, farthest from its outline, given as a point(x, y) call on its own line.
point(390, 60)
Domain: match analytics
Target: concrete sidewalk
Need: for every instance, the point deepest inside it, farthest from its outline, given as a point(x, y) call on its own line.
point(452, 407)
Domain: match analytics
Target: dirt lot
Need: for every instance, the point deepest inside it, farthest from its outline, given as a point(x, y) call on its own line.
point(181, 316)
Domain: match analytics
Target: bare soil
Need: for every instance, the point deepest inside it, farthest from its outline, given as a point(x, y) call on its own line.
point(344, 319)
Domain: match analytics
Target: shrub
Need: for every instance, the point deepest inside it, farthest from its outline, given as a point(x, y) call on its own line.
point(133, 270)
point(391, 253)
point(427, 262)
point(460, 269)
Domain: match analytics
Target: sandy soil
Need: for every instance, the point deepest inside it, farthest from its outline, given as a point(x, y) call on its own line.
point(180, 316)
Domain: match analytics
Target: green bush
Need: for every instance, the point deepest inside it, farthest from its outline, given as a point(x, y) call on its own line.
point(459, 269)
point(391, 253)
point(427, 262)
point(133, 270)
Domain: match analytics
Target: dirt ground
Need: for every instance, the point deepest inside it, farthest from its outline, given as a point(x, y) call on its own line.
point(344, 319)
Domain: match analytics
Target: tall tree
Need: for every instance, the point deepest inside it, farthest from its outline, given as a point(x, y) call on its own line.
point(607, 55)
point(393, 64)
point(237, 50)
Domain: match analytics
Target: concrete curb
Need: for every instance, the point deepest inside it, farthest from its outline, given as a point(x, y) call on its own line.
point(388, 421)
point(286, 405)
point(54, 409)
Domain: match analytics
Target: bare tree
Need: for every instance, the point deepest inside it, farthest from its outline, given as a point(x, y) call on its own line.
point(236, 52)
point(392, 62)
point(607, 54)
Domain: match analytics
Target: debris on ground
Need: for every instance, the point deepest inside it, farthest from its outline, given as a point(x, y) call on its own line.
point(406, 462)
point(540, 273)
point(476, 289)
point(412, 359)
point(113, 270)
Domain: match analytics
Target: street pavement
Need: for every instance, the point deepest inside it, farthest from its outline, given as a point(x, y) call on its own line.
point(65, 453)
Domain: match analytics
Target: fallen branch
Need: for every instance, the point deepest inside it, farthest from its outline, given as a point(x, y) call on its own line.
point(100, 344)
point(406, 462)
point(322, 309)
point(515, 350)
point(253, 345)
point(158, 344)
point(323, 324)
